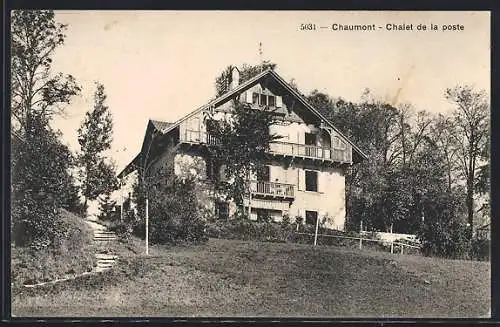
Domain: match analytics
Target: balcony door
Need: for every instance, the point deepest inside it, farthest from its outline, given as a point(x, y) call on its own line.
point(311, 148)
point(263, 178)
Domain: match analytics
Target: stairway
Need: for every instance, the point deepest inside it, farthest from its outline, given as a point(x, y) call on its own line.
point(102, 239)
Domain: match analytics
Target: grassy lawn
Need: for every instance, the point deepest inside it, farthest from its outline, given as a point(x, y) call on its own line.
point(240, 278)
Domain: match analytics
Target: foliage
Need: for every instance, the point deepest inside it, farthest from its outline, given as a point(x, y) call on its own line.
point(223, 81)
point(174, 207)
point(415, 160)
point(94, 137)
point(443, 233)
point(245, 229)
point(107, 208)
point(246, 138)
point(471, 122)
point(40, 183)
point(36, 90)
point(72, 253)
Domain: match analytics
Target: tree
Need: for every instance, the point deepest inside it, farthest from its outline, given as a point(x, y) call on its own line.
point(107, 207)
point(95, 136)
point(246, 138)
point(470, 119)
point(40, 182)
point(36, 91)
point(223, 81)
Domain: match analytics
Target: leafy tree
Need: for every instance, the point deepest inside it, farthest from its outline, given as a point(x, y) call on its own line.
point(40, 182)
point(95, 136)
point(36, 90)
point(223, 81)
point(107, 207)
point(471, 120)
point(246, 138)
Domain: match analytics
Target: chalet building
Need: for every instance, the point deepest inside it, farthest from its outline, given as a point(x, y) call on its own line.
point(305, 175)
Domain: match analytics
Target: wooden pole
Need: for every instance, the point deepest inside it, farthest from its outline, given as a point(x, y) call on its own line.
point(360, 235)
point(316, 232)
point(392, 242)
point(147, 225)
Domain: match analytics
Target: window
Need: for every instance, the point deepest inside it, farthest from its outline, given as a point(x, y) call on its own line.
point(311, 149)
point(310, 139)
point(222, 210)
point(255, 98)
point(271, 101)
point(263, 100)
point(311, 181)
point(311, 217)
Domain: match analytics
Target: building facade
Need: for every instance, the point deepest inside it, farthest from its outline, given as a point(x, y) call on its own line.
point(305, 175)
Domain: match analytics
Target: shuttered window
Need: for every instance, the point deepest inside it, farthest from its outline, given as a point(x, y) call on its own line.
point(311, 181)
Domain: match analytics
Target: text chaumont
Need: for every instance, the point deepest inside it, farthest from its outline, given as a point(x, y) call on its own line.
point(372, 27)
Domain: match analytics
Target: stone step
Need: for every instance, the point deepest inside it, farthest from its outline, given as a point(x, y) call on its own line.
point(101, 264)
point(104, 256)
point(106, 236)
point(106, 263)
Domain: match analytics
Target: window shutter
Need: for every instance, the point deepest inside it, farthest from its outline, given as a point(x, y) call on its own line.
point(302, 179)
point(249, 96)
point(320, 182)
point(279, 102)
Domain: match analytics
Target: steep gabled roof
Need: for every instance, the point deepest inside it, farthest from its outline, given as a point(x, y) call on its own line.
point(155, 126)
point(160, 125)
point(248, 84)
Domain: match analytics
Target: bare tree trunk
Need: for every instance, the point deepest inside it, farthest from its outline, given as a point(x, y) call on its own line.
point(470, 190)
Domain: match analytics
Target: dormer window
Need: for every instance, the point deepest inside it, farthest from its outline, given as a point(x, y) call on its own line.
point(263, 99)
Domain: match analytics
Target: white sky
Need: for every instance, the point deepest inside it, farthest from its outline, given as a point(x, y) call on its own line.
point(162, 64)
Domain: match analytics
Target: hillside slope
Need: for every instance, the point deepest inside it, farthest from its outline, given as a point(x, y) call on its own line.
point(236, 278)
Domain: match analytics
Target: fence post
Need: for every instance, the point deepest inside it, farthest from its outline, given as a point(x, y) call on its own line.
point(360, 235)
point(316, 232)
point(392, 247)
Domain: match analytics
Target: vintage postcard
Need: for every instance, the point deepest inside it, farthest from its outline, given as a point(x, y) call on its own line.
point(250, 164)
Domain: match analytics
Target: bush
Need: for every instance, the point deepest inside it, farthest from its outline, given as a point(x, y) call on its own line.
point(480, 249)
point(245, 229)
point(175, 213)
point(72, 252)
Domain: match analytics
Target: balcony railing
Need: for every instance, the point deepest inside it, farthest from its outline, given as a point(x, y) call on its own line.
point(272, 189)
point(197, 136)
point(281, 148)
point(310, 151)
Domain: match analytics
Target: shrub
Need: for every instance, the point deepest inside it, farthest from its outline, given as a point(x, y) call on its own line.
point(72, 252)
point(480, 249)
point(175, 214)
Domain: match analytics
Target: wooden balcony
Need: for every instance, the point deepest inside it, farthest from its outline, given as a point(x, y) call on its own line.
point(310, 151)
point(197, 137)
point(278, 148)
point(272, 189)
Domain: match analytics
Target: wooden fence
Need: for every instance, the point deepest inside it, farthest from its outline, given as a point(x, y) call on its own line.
point(362, 239)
